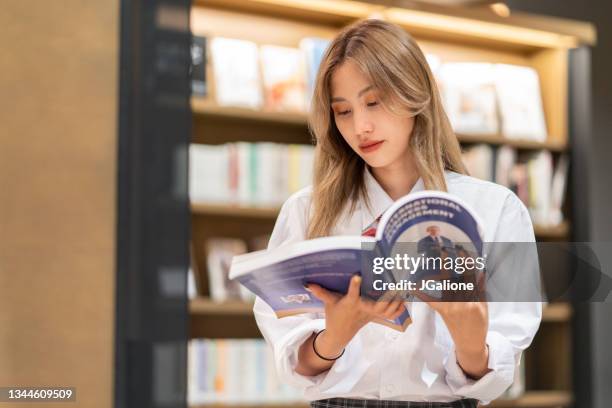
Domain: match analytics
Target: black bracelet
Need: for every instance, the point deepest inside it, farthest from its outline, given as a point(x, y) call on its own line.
point(317, 353)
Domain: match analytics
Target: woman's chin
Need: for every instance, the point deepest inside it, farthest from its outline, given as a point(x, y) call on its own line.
point(376, 162)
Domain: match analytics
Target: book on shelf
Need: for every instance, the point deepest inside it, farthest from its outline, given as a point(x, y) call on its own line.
point(284, 78)
point(478, 160)
point(235, 371)
point(313, 48)
point(479, 97)
point(534, 177)
point(468, 93)
point(539, 172)
point(559, 185)
point(257, 174)
point(192, 289)
point(504, 162)
point(209, 173)
point(269, 173)
point(236, 73)
point(194, 282)
point(219, 254)
point(520, 102)
point(198, 66)
point(519, 181)
point(490, 99)
point(433, 224)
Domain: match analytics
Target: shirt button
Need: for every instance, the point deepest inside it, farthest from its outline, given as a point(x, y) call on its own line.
point(389, 388)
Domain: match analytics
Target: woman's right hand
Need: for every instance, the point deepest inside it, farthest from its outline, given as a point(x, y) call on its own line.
point(346, 314)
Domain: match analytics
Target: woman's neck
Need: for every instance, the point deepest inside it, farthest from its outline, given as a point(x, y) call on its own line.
point(397, 179)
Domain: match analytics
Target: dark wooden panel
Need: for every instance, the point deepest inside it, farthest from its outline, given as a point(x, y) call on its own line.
point(224, 326)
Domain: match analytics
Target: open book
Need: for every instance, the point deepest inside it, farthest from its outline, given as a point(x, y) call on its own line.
point(417, 228)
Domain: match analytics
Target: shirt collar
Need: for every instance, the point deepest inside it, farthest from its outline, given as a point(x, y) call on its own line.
point(379, 199)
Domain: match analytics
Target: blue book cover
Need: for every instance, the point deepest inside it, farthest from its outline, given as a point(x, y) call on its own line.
point(420, 225)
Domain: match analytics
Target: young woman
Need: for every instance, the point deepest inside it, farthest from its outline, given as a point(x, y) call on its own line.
point(381, 133)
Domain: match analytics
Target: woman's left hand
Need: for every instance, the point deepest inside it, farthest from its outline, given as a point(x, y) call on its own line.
point(467, 323)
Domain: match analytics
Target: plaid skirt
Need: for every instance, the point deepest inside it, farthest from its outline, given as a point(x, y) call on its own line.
point(371, 403)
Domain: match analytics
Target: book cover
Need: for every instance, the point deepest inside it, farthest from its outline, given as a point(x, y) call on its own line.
point(468, 94)
point(236, 73)
point(428, 223)
point(219, 254)
point(520, 102)
point(313, 49)
point(505, 161)
point(559, 184)
point(283, 78)
point(539, 170)
point(208, 173)
point(479, 160)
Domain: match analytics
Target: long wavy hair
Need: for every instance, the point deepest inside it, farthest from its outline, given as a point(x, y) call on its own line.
point(397, 68)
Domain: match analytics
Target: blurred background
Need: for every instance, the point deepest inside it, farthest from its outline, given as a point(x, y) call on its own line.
point(144, 144)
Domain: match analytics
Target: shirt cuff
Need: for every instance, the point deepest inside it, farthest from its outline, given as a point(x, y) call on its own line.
point(338, 380)
point(492, 384)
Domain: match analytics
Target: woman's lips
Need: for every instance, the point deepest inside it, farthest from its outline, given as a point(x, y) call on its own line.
point(370, 146)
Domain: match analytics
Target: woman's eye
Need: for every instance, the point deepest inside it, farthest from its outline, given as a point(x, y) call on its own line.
point(341, 113)
point(372, 103)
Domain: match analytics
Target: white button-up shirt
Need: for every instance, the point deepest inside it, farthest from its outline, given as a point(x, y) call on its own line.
point(419, 364)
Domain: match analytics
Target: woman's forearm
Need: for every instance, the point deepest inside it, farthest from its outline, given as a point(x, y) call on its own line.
point(473, 361)
point(328, 346)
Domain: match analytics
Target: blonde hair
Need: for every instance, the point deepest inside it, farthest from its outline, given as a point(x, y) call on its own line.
point(395, 64)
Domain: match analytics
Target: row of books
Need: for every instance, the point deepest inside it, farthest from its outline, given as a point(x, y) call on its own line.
point(534, 176)
point(479, 97)
point(490, 99)
point(258, 76)
point(257, 174)
point(235, 371)
point(242, 371)
point(265, 174)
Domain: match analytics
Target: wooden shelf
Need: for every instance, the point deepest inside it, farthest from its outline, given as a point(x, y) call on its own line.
point(218, 320)
point(537, 399)
point(229, 210)
point(531, 399)
point(207, 108)
point(519, 32)
point(520, 144)
point(560, 231)
point(203, 306)
point(557, 312)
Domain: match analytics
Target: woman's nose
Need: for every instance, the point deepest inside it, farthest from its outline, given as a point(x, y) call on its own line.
point(363, 123)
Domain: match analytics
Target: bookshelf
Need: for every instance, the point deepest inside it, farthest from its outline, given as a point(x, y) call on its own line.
point(560, 231)
point(207, 109)
point(454, 35)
